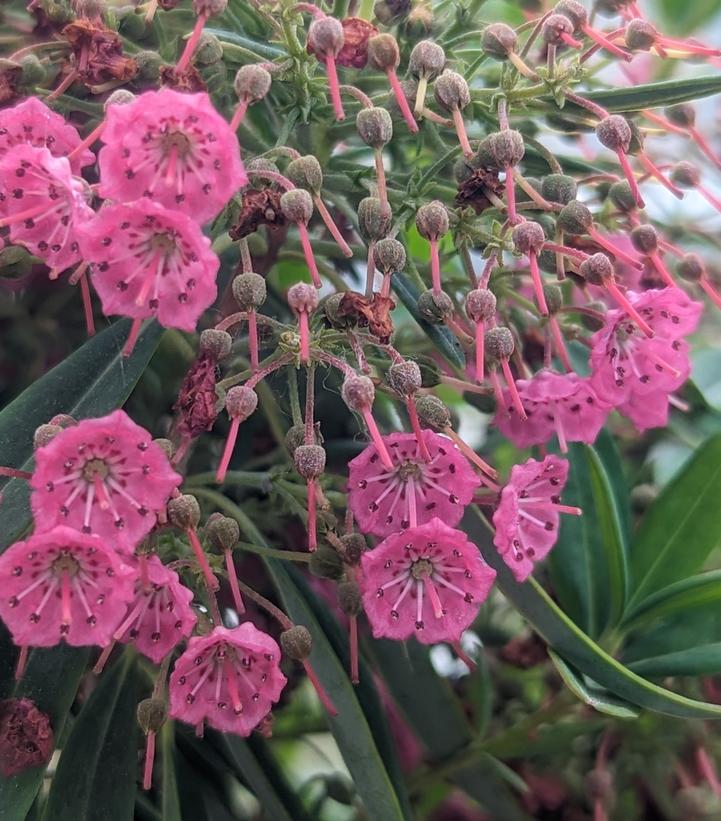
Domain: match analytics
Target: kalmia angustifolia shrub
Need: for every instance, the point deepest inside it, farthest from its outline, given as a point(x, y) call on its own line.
point(347, 255)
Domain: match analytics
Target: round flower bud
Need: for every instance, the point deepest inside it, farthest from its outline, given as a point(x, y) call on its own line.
point(209, 8)
point(166, 446)
point(216, 344)
point(432, 412)
point(354, 546)
point(597, 269)
point(222, 532)
point(389, 256)
point(451, 91)
point(644, 239)
point(241, 402)
point(305, 172)
point(349, 598)
point(383, 52)
point(297, 205)
point(33, 71)
point(574, 11)
point(331, 307)
point(151, 714)
point(499, 343)
point(252, 83)
point(309, 461)
point(374, 126)
point(528, 237)
point(432, 220)
point(184, 511)
point(575, 218)
point(302, 297)
point(614, 132)
point(148, 65)
point(682, 115)
point(559, 188)
point(249, 290)
point(294, 438)
point(326, 563)
point(209, 50)
point(121, 96)
point(554, 298)
point(690, 267)
point(427, 60)
point(480, 305)
point(389, 10)
point(502, 149)
point(433, 307)
point(296, 643)
point(63, 419)
point(554, 26)
point(640, 35)
point(358, 392)
point(325, 36)
point(685, 175)
point(374, 219)
point(622, 197)
point(498, 40)
point(45, 434)
point(405, 377)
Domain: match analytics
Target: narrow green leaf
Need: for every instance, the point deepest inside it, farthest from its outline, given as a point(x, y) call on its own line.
point(696, 591)
point(98, 766)
point(656, 95)
point(252, 46)
point(169, 798)
point(695, 661)
point(682, 526)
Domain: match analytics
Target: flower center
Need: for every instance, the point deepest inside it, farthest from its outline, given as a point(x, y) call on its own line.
point(176, 141)
point(95, 469)
point(65, 564)
point(421, 569)
point(409, 470)
point(163, 243)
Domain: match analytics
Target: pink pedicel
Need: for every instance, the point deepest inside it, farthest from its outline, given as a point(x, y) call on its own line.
point(104, 477)
point(428, 582)
point(527, 516)
point(174, 149)
point(63, 585)
point(229, 679)
point(413, 491)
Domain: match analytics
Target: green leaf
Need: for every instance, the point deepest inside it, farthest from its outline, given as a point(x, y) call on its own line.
point(697, 591)
point(575, 647)
point(98, 766)
point(90, 382)
point(695, 661)
point(682, 526)
point(169, 798)
point(656, 95)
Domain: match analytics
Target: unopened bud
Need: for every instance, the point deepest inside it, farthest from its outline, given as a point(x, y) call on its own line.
point(374, 126)
point(554, 27)
point(622, 197)
point(389, 255)
point(559, 188)
point(499, 343)
point(451, 91)
point(480, 305)
point(614, 133)
point(644, 239)
point(209, 50)
point(358, 392)
point(241, 402)
point(528, 237)
point(302, 297)
point(209, 8)
point(427, 60)
point(249, 290)
point(432, 220)
point(354, 546)
point(148, 64)
point(151, 714)
point(690, 267)
point(383, 52)
point(434, 307)
point(297, 205)
point(184, 511)
point(326, 36)
point(222, 532)
point(296, 643)
point(216, 344)
point(554, 298)
point(45, 434)
point(121, 96)
point(685, 175)
point(349, 598)
point(575, 12)
point(432, 412)
point(597, 269)
point(305, 172)
point(682, 115)
point(502, 149)
point(374, 219)
point(252, 83)
point(640, 35)
point(64, 420)
point(405, 377)
point(326, 563)
point(309, 461)
point(643, 496)
point(166, 446)
point(498, 40)
point(33, 72)
point(575, 218)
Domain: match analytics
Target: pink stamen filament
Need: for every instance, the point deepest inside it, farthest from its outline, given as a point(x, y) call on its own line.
point(308, 252)
point(233, 581)
point(542, 503)
point(537, 282)
point(21, 216)
point(402, 101)
point(191, 44)
point(377, 438)
point(623, 301)
point(463, 656)
point(657, 174)
point(460, 127)
point(416, 425)
point(334, 87)
point(132, 337)
point(331, 226)
point(435, 267)
point(143, 571)
point(101, 492)
point(312, 516)
point(149, 759)
point(353, 642)
point(202, 559)
point(560, 433)
point(513, 390)
point(318, 687)
point(228, 450)
point(604, 42)
point(570, 41)
point(434, 597)
point(480, 351)
point(304, 330)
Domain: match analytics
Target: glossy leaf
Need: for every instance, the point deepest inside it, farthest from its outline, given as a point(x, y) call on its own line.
point(169, 798)
point(697, 591)
point(657, 95)
point(694, 661)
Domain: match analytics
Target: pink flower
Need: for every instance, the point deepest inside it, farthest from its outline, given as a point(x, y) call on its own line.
point(104, 476)
point(629, 368)
point(413, 491)
point(428, 582)
point(564, 405)
point(150, 261)
point(173, 148)
point(43, 204)
point(32, 122)
point(160, 615)
point(229, 678)
point(526, 519)
point(62, 585)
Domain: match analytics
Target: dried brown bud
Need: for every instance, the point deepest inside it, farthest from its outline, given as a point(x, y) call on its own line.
point(383, 52)
point(559, 188)
point(480, 305)
point(389, 255)
point(184, 511)
point(151, 714)
point(305, 172)
point(358, 392)
point(405, 377)
point(528, 237)
point(309, 461)
point(215, 344)
point(297, 205)
point(249, 290)
point(499, 343)
point(451, 91)
point(432, 412)
point(597, 269)
point(296, 643)
point(374, 126)
point(498, 40)
point(432, 220)
point(241, 402)
point(427, 60)
point(356, 34)
point(374, 219)
point(26, 736)
point(614, 132)
point(252, 83)
point(435, 307)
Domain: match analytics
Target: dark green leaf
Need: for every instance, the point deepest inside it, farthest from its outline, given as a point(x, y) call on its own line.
point(695, 661)
point(696, 591)
point(170, 800)
point(656, 95)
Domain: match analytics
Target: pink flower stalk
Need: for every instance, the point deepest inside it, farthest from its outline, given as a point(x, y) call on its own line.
point(641, 34)
point(32, 122)
point(174, 149)
point(527, 516)
point(325, 39)
point(635, 373)
point(578, 16)
point(413, 491)
point(240, 403)
point(192, 42)
point(102, 476)
point(229, 679)
point(500, 346)
point(150, 261)
point(303, 299)
point(160, 615)
point(428, 582)
point(529, 239)
point(562, 405)
point(63, 585)
point(43, 203)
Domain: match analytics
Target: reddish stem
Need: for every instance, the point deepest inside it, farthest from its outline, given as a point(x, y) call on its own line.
point(353, 641)
point(319, 689)
point(623, 301)
point(416, 425)
point(402, 101)
point(370, 270)
point(202, 559)
point(21, 662)
point(480, 351)
point(435, 267)
point(253, 340)
point(88, 141)
point(661, 268)
point(239, 114)
point(87, 305)
point(710, 291)
point(331, 226)
point(463, 656)
point(537, 283)
point(13, 473)
point(103, 659)
point(308, 252)
point(570, 41)
point(513, 390)
point(334, 87)
point(228, 450)
point(191, 44)
point(630, 177)
point(470, 454)
point(612, 249)
point(132, 337)
point(605, 43)
point(511, 196)
point(304, 329)
point(233, 581)
point(461, 132)
point(312, 516)
point(657, 174)
point(559, 343)
point(149, 759)
point(375, 435)
point(557, 248)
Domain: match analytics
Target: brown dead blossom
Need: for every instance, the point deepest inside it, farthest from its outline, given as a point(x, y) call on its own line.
point(258, 207)
point(98, 53)
point(375, 313)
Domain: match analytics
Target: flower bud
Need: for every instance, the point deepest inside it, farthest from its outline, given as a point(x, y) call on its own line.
point(309, 461)
point(33, 71)
point(184, 511)
point(358, 392)
point(389, 256)
point(690, 267)
point(685, 175)
point(209, 8)
point(45, 434)
point(451, 91)
point(682, 115)
point(261, 164)
point(640, 35)
point(151, 714)
point(148, 65)
point(252, 83)
point(297, 205)
point(498, 40)
point(121, 96)
point(597, 269)
point(502, 149)
point(374, 126)
point(574, 11)
point(559, 188)
point(528, 237)
point(427, 60)
point(622, 197)
point(326, 563)
point(349, 598)
point(331, 306)
point(374, 219)
point(435, 307)
point(575, 218)
point(499, 343)
point(166, 446)
point(614, 132)
point(554, 298)
point(296, 643)
point(644, 239)
point(325, 36)
point(216, 344)
point(432, 220)
point(63, 419)
point(383, 52)
point(302, 297)
point(354, 546)
point(480, 305)
point(305, 172)
point(389, 10)
point(241, 402)
point(554, 27)
point(249, 290)
point(209, 50)
point(405, 377)
point(432, 412)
